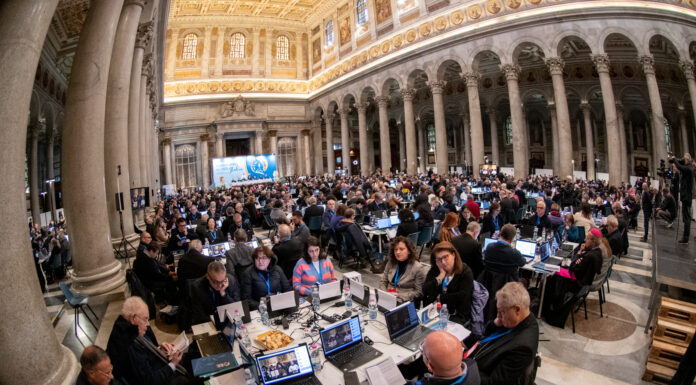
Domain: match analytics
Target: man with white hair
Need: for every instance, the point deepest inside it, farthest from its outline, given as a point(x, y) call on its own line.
point(614, 235)
point(507, 353)
point(135, 353)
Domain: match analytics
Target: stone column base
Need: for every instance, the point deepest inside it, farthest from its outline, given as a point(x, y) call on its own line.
point(68, 371)
point(133, 239)
point(99, 281)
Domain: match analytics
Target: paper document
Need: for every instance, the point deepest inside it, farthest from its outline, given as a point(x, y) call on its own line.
point(386, 300)
point(231, 307)
point(357, 289)
point(181, 342)
point(204, 328)
point(329, 290)
point(283, 301)
point(384, 373)
point(458, 330)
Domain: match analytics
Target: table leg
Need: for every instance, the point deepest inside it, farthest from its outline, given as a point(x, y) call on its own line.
point(543, 292)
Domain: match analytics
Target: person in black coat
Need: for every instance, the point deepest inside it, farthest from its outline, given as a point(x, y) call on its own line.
point(540, 219)
point(193, 264)
point(212, 233)
point(493, 221)
point(155, 275)
point(450, 281)
point(288, 250)
point(465, 217)
point(181, 237)
point(215, 288)
point(408, 224)
point(96, 368)
point(469, 249)
point(614, 235)
point(686, 169)
point(313, 210)
point(239, 258)
point(507, 353)
point(263, 278)
point(238, 223)
point(129, 347)
point(358, 240)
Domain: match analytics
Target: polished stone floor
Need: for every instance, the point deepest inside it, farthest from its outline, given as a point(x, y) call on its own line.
point(611, 350)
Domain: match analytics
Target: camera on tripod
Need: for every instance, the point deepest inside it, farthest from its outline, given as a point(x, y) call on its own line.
point(664, 171)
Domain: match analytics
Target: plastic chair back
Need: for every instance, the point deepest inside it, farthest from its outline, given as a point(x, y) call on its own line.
point(425, 235)
point(414, 237)
point(581, 234)
point(66, 291)
point(314, 223)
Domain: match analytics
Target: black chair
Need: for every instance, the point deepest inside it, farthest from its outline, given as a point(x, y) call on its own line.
point(425, 236)
point(138, 289)
point(270, 223)
point(580, 296)
point(314, 224)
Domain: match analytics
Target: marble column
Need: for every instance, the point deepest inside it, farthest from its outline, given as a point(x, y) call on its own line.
point(259, 143)
point(167, 146)
point(142, 133)
point(622, 142)
point(273, 139)
point(384, 142)
point(476, 135)
point(116, 166)
point(630, 143)
point(402, 147)
point(205, 161)
point(589, 143)
point(658, 120)
point(554, 141)
point(466, 139)
point(422, 146)
point(495, 151)
point(171, 54)
point(308, 162)
point(299, 58)
point(520, 139)
point(219, 45)
point(345, 140)
point(362, 137)
point(410, 133)
point(441, 152)
point(318, 150)
point(205, 58)
point(688, 68)
point(370, 150)
point(95, 270)
point(219, 145)
point(267, 54)
point(34, 133)
point(683, 131)
point(134, 162)
point(601, 63)
point(563, 134)
point(27, 335)
point(51, 174)
point(255, 54)
point(330, 157)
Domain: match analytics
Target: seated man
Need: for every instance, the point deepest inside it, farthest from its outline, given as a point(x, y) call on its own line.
point(300, 230)
point(238, 258)
point(193, 264)
point(507, 353)
point(442, 354)
point(238, 223)
point(668, 208)
point(215, 289)
point(541, 218)
point(288, 250)
point(145, 239)
point(96, 368)
point(154, 274)
point(181, 237)
point(614, 235)
point(135, 353)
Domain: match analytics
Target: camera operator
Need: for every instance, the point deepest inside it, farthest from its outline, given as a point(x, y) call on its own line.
point(686, 170)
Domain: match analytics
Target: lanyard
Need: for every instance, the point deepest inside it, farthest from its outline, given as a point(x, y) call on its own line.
point(445, 282)
point(538, 221)
point(214, 235)
point(311, 265)
point(492, 337)
point(495, 222)
point(397, 277)
point(459, 380)
point(268, 281)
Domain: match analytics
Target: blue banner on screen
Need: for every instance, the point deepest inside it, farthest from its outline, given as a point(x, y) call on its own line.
point(238, 170)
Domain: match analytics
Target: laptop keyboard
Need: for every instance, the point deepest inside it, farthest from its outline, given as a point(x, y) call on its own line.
point(411, 336)
point(345, 356)
point(307, 381)
point(212, 346)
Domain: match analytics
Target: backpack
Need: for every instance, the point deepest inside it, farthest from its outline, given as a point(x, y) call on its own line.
point(479, 298)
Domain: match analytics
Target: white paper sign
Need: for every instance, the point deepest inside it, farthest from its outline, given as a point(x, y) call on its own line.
point(386, 300)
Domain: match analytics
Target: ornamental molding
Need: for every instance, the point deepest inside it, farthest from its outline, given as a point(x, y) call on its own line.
point(239, 106)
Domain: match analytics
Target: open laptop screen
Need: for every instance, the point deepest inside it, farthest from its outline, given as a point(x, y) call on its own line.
point(487, 242)
point(284, 365)
point(219, 249)
point(394, 220)
point(341, 335)
point(401, 319)
point(253, 244)
point(383, 223)
point(526, 248)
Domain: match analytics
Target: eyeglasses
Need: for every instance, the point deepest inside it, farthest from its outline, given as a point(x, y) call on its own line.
point(263, 258)
point(217, 283)
point(444, 258)
point(109, 374)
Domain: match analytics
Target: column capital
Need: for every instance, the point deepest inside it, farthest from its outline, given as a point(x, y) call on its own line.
point(648, 64)
point(619, 108)
point(137, 3)
point(472, 78)
point(552, 109)
point(208, 29)
point(585, 107)
point(205, 137)
point(688, 67)
point(147, 66)
point(362, 107)
point(555, 65)
point(344, 112)
point(408, 93)
point(274, 133)
point(512, 71)
point(601, 62)
point(330, 117)
point(305, 132)
point(145, 31)
point(491, 111)
point(383, 101)
point(166, 141)
point(437, 86)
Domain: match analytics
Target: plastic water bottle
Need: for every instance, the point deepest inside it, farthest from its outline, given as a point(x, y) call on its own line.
point(248, 378)
point(315, 298)
point(237, 319)
point(372, 308)
point(347, 297)
point(315, 357)
point(207, 243)
point(229, 238)
point(444, 317)
point(244, 334)
point(361, 320)
point(263, 310)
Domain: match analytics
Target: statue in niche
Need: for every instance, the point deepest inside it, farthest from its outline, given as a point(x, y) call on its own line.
point(344, 29)
point(383, 10)
point(316, 51)
point(238, 106)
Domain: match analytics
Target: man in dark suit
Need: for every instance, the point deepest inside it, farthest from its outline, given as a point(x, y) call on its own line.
point(181, 236)
point(614, 235)
point(238, 223)
point(540, 219)
point(313, 210)
point(193, 264)
point(155, 275)
point(145, 239)
point(686, 181)
point(96, 368)
point(469, 249)
point(215, 289)
point(507, 353)
point(288, 250)
point(377, 204)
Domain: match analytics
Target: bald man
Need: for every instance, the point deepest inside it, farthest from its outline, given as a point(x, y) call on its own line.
point(442, 355)
point(96, 368)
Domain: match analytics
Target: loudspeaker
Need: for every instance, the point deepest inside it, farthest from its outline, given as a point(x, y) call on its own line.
point(119, 201)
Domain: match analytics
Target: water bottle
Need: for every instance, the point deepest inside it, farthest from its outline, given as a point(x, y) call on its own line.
point(229, 238)
point(263, 310)
point(361, 320)
point(248, 377)
point(347, 298)
point(372, 308)
point(444, 317)
point(315, 357)
point(237, 319)
point(244, 334)
point(207, 243)
point(315, 298)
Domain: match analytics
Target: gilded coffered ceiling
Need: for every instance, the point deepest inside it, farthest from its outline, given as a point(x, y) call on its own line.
point(300, 11)
point(65, 29)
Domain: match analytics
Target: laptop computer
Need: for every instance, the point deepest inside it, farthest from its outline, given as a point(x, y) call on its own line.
point(219, 249)
point(383, 223)
point(394, 220)
point(527, 231)
point(283, 303)
point(487, 242)
point(330, 291)
point(218, 343)
point(343, 345)
point(288, 367)
point(404, 328)
point(526, 248)
point(360, 293)
point(253, 244)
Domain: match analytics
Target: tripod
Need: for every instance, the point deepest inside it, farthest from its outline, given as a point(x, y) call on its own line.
point(122, 250)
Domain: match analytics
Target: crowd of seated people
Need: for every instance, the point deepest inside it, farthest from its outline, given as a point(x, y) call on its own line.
point(51, 250)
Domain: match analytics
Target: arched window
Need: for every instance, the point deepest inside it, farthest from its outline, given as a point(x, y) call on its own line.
point(282, 51)
point(508, 131)
point(190, 43)
point(361, 8)
point(430, 132)
point(668, 136)
point(286, 156)
point(329, 32)
point(237, 43)
point(186, 174)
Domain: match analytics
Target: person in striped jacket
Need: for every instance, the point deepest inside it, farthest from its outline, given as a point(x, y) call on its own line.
point(314, 268)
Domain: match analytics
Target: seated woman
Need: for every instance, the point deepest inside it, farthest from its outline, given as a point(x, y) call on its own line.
point(555, 216)
point(312, 269)
point(450, 227)
point(403, 274)
point(264, 278)
point(213, 234)
point(450, 282)
point(408, 223)
point(465, 217)
point(569, 232)
point(425, 218)
point(492, 222)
